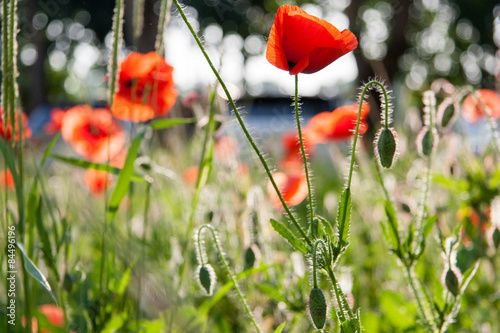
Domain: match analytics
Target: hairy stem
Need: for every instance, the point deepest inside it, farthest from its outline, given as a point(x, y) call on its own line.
point(302, 150)
point(242, 124)
point(228, 271)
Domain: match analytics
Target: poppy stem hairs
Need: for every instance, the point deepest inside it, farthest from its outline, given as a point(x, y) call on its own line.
point(206, 276)
point(303, 152)
point(242, 125)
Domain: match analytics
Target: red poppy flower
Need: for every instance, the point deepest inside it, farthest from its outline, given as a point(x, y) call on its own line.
point(145, 88)
point(190, 175)
point(302, 43)
point(91, 132)
point(293, 188)
point(54, 314)
point(96, 181)
point(56, 119)
point(292, 159)
point(472, 110)
point(338, 124)
point(226, 148)
point(6, 179)
point(7, 134)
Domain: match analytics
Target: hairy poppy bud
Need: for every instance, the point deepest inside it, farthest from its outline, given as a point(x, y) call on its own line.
point(317, 308)
point(452, 283)
point(206, 278)
point(427, 141)
point(447, 113)
point(385, 146)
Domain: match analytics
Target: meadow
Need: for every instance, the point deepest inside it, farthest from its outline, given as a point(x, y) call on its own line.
point(165, 211)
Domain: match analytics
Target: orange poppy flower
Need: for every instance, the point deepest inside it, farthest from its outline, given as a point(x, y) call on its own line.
point(338, 124)
point(190, 175)
point(6, 179)
point(302, 43)
point(292, 159)
point(471, 109)
point(226, 148)
point(90, 133)
point(7, 134)
point(145, 88)
point(56, 119)
point(293, 188)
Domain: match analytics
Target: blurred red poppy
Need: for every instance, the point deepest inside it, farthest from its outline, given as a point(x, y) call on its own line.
point(145, 88)
point(338, 124)
point(226, 148)
point(6, 133)
point(472, 110)
point(302, 43)
point(6, 179)
point(292, 159)
point(93, 134)
point(96, 181)
point(293, 188)
point(190, 175)
point(54, 314)
point(56, 119)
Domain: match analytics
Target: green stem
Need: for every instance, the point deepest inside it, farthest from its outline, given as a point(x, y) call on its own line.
point(162, 24)
point(228, 271)
point(339, 295)
point(242, 124)
point(113, 64)
point(304, 156)
point(409, 273)
point(314, 264)
point(27, 298)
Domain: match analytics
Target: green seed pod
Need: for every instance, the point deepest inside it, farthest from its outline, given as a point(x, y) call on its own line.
point(250, 257)
point(206, 278)
point(317, 308)
point(447, 113)
point(427, 141)
point(451, 281)
point(385, 146)
point(496, 238)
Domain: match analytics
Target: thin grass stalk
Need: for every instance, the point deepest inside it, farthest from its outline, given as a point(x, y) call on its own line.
point(228, 271)
point(138, 19)
point(242, 125)
point(303, 152)
point(162, 25)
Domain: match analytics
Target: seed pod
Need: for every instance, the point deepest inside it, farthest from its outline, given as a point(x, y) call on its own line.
point(206, 278)
point(427, 141)
point(496, 238)
point(250, 257)
point(385, 146)
point(317, 308)
point(451, 281)
point(447, 113)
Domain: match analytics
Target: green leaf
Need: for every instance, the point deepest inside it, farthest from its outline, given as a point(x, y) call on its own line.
point(115, 323)
point(289, 236)
point(30, 267)
point(344, 216)
point(428, 224)
point(11, 164)
point(49, 149)
point(327, 226)
point(350, 326)
point(279, 328)
point(125, 176)
point(393, 233)
point(48, 256)
point(166, 123)
point(97, 166)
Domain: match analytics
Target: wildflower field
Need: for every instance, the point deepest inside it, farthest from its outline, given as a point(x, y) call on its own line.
point(250, 166)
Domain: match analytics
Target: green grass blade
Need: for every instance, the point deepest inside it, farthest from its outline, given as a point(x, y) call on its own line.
point(11, 164)
point(97, 166)
point(47, 152)
point(166, 123)
point(125, 177)
point(289, 236)
point(32, 270)
point(48, 255)
point(279, 328)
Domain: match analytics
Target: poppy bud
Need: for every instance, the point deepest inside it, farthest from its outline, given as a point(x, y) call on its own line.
point(206, 278)
point(496, 238)
point(452, 283)
point(251, 255)
point(427, 141)
point(385, 146)
point(447, 113)
point(317, 308)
